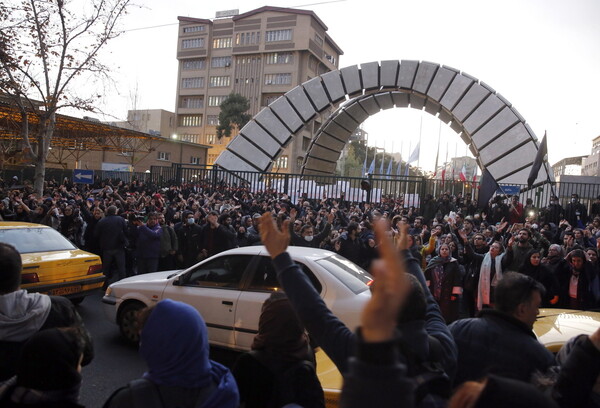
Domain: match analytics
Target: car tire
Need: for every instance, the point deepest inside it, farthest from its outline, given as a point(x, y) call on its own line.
point(128, 322)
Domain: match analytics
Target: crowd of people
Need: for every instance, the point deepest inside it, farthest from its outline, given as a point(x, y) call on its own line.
point(457, 289)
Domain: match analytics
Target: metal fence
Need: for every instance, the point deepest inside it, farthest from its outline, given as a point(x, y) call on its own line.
point(382, 187)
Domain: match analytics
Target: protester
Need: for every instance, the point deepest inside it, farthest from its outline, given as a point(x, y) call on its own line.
point(24, 314)
point(501, 340)
point(48, 372)
point(174, 345)
point(280, 369)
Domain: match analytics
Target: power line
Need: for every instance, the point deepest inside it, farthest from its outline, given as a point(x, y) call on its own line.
point(172, 24)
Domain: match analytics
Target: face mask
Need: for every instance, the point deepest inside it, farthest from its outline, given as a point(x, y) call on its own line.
point(309, 238)
point(190, 221)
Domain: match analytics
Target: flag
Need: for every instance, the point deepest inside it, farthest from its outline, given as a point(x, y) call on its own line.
point(414, 156)
point(537, 163)
point(372, 166)
point(474, 178)
point(399, 168)
point(389, 169)
point(487, 188)
point(381, 164)
point(463, 173)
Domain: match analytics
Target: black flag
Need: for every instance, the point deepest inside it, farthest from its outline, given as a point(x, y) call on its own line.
point(537, 163)
point(488, 187)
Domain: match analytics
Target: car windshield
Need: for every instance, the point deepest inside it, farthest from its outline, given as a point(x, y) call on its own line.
point(28, 240)
point(347, 272)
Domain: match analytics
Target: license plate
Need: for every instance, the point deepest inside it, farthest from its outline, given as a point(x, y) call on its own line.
point(67, 290)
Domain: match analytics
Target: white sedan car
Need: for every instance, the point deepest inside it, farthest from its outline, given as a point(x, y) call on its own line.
point(229, 289)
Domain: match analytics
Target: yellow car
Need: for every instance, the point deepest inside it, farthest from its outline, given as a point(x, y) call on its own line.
point(554, 327)
point(51, 263)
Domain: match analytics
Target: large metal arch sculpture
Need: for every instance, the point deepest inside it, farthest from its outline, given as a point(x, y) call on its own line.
point(497, 135)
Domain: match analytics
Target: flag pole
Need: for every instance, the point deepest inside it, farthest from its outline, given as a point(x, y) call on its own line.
point(437, 156)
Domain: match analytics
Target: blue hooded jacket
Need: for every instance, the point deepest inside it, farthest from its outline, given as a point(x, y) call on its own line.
point(174, 344)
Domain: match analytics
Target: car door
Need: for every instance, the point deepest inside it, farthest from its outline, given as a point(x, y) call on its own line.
point(213, 288)
point(261, 282)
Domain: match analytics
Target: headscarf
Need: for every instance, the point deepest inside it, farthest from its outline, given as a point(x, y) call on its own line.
point(280, 332)
point(174, 344)
point(484, 286)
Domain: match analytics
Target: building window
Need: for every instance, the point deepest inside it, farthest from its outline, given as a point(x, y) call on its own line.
point(164, 156)
point(190, 120)
point(212, 120)
point(195, 82)
point(216, 100)
point(210, 139)
point(192, 43)
point(218, 81)
point(278, 79)
point(222, 42)
point(269, 99)
point(192, 138)
point(305, 143)
point(247, 38)
point(212, 158)
point(220, 62)
point(282, 162)
point(193, 29)
point(330, 58)
point(299, 162)
point(192, 102)
point(193, 64)
point(194, 160)
point(318, 39)
point(279, 58)
point(278, 35)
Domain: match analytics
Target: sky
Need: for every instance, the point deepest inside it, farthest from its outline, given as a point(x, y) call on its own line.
point(543, 56)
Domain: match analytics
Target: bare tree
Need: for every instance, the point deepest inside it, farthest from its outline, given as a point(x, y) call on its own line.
point(47, 49)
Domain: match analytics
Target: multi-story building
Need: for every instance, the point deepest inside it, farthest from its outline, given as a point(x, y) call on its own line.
point(591, 163)
point(569, 166)
point(260, 55)
point(157, 122)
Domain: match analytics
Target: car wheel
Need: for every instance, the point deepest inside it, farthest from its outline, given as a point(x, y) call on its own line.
point(128, 322)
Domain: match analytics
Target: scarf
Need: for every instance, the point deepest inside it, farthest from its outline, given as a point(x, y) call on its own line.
point(485, 281)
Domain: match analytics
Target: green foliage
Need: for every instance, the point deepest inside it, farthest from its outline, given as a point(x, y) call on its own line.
point(233, 114)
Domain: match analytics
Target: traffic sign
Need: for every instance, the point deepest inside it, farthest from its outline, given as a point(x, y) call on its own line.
point(83, 176)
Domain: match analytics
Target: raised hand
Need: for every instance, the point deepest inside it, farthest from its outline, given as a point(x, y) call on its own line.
point(402, 242)
point(275, 240)
point(330, 217)
point(378, 318)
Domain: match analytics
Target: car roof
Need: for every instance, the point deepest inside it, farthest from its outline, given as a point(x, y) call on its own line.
point(294, 251)
point(20, 224)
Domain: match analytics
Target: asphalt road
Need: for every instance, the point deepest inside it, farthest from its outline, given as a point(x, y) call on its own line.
point(115, 362)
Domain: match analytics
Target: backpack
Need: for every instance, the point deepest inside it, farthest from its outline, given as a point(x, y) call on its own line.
point(294, 383)
point(432, 384)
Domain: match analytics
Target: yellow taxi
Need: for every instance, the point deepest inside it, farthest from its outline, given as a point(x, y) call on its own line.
point(51, 263)
point(554, 327)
